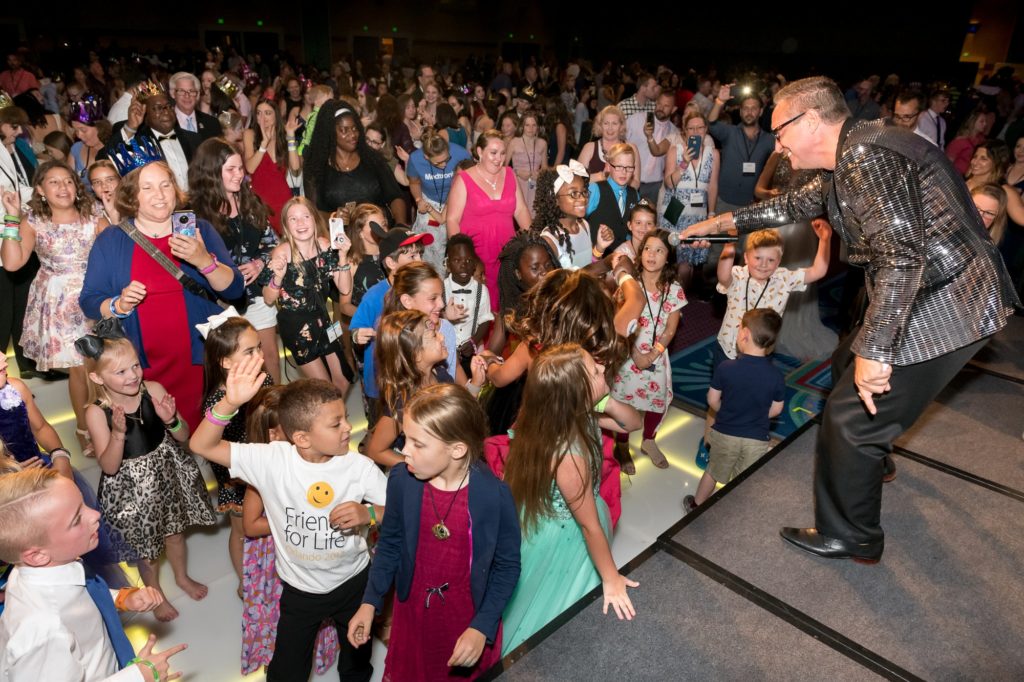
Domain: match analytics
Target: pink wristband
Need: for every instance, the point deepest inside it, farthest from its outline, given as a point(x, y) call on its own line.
point(211, 267)
point(273, 284)
point(213, 420)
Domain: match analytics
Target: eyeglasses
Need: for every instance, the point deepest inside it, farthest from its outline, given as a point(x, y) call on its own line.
point(374, 143)
point(987, 214)
point(578, 193)
point(105, 182)
point(441, 163)
point(777, 129)
point(906, 118)
point(190, 93)
point(628, 169)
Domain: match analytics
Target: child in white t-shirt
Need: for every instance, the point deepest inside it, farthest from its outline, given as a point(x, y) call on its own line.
point(319, 499)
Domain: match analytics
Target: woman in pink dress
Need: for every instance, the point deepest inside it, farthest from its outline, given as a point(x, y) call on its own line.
point(483, 203)
point(270, 153)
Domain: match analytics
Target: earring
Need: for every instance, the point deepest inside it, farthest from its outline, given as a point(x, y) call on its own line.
point(42, 198)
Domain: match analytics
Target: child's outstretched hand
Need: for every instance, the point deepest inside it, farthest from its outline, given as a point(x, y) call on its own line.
point(144, 599)
point(118, 422)
point(822, 228)
point(160, 660)
point(359, 626)
point(244, 381)
point(605, 237)
point(165, 408)
point(615, 595)
point(468, 649)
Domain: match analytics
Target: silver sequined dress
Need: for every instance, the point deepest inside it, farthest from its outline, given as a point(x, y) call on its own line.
point(935, 280)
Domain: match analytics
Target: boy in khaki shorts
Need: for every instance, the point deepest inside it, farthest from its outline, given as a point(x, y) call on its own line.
point(746, 392)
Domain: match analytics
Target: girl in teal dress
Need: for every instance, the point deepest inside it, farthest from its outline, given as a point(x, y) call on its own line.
point(553, 470)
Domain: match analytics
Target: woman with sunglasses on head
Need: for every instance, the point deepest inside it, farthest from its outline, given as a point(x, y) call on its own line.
point(431, 171)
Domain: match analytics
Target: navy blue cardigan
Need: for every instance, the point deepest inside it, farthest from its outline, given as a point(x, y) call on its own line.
point(496, 541)
point(110, 270)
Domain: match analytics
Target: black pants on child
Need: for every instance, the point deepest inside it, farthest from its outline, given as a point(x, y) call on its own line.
point(301, 616)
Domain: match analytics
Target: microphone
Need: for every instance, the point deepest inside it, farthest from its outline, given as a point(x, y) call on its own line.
point(675, 240)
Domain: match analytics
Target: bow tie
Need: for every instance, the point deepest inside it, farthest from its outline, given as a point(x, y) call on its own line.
point(462, 291)
point(169, 136)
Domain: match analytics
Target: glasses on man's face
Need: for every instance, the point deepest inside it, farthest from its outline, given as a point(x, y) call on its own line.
point(580, 193)
point(778, 129)
point(627, 169)
point(189, 93)
point(906, 118)
point(374, 142)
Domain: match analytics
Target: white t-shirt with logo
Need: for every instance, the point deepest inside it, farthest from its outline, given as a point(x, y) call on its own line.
point(298, 497)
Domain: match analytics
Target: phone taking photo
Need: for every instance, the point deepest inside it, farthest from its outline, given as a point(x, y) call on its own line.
point(650, 118)
point(183, 224)
point(338, 236)
point(693, 143)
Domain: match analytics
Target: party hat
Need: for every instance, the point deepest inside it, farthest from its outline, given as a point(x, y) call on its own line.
point(135, 153)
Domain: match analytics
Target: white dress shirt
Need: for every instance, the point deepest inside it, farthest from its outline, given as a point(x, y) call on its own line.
point(652, 168)
point(52, 630)
point(187, 121)
point(932, 127)
point(174, 155)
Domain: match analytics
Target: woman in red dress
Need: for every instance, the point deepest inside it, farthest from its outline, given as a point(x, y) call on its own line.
point(271, 153)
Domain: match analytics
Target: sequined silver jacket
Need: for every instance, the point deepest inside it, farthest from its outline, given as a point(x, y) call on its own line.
point(935, 280)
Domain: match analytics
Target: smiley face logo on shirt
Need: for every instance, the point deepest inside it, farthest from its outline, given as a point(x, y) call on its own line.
point(320, 494)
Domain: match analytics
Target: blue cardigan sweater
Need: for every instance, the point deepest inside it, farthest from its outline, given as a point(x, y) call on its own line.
point(494, 568)
point(110, 270)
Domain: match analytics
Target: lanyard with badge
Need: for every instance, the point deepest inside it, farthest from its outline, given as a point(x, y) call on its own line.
point(749, 167)
point(655, 318)
point(746, 298)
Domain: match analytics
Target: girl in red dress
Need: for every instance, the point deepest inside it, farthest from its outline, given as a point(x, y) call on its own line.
point(449, 544)
point(270, 153)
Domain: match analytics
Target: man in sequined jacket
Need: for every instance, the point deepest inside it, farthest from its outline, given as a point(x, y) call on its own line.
point(937, 287)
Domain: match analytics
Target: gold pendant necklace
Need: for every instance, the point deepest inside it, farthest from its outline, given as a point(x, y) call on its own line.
point(439, 529)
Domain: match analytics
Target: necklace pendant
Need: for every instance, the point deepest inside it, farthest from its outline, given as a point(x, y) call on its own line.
point(441, 531)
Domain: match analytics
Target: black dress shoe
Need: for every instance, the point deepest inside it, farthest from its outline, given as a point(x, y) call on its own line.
point(810, 540)
point(888, 469)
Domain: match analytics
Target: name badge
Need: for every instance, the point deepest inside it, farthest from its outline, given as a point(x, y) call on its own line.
point(696, 199)
point(748, 168)
point(334, 332)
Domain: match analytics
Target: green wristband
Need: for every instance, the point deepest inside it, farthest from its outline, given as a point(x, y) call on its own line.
point(148, 664)
point(176, 426)
point(223, 417)
point(373, 515)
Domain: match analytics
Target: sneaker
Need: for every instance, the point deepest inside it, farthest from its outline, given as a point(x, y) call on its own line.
point(651, 449)
point(703, 455)
point(689, 503)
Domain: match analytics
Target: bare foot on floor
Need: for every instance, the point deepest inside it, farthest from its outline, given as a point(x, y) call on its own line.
point(165, 613)
point(193, 589)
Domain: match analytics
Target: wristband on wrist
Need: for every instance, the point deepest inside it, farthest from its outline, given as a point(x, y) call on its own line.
point(176, 425)
point(622, 278)
point(11, 233)
point(373, 515)
point(211, 267)
point(345, 268)
point(659, 346)
point(601, 405)
point(213, 419)
point(122, 596)
point(226, 417)
point(59, 452)
point(148, 664)
point(8, 218)
point(473, 389)
point(273, 284)
point(113, 309)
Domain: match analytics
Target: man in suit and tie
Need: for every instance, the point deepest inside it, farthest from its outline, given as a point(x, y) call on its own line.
point(185, 90)
point(154, 117)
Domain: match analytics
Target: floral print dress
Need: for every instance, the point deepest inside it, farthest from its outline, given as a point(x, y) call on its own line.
point(650, 390)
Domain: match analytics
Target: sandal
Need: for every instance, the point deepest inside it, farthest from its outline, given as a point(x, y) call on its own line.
point(625, 459)
point(651, 449)
point(85, 442)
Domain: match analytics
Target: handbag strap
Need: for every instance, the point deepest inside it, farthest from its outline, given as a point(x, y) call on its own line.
point(163, 261)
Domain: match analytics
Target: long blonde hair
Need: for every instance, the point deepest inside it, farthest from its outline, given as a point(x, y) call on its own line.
point(318, 221)
point(556, 419)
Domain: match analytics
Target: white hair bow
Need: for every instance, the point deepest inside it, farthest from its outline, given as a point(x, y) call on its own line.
point(214, 321)
point(567, 173)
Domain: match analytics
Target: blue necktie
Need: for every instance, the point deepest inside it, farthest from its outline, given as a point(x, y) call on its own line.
point(100, 593)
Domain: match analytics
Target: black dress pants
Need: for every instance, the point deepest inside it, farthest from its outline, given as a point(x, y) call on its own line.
point(852, 443)
point(14, 288)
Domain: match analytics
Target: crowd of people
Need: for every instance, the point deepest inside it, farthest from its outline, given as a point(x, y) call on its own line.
point(500, 262)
